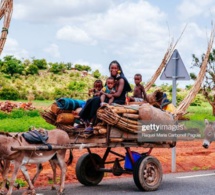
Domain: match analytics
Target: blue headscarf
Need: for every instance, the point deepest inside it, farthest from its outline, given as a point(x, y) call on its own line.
point(127, 85)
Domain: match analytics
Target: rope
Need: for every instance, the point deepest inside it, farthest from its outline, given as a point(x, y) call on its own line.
point(4, 29)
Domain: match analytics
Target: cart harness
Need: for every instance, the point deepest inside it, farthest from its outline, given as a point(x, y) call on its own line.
point(37, 137)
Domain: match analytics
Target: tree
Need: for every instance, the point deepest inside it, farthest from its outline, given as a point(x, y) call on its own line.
point(57, 67)
point(193, 76)
point(96, 74)
point(80, 67)
point(209, 83)
point(32, 69)
point(68, 65)
point(11, 65)
point(40, 63)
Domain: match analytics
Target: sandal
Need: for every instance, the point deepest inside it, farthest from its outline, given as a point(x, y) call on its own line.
point(88, 130)
point(81, 125)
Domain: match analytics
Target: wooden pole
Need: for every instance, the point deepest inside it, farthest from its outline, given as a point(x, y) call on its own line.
point(55, 147)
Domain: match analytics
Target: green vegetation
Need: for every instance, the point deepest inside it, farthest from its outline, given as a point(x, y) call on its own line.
point(209, 81)
point(195, 168)
point(41, 80)
point(199, 113)
point(20, 120)
point(22, 183)
point(23, 124)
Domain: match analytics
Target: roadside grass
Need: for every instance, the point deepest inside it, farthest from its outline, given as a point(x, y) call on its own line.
point(199, 113)
point(23, 124)
point(20, 120)
point(196, 115)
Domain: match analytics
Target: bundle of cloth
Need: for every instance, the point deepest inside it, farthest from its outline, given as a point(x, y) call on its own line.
point(69, 103)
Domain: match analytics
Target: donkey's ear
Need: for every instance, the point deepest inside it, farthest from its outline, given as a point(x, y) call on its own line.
point(206, 122)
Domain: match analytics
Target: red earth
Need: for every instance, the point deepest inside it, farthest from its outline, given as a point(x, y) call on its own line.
point(191, 156)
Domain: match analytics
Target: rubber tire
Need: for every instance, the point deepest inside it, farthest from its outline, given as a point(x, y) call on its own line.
point(85, 171)
point(138, 176)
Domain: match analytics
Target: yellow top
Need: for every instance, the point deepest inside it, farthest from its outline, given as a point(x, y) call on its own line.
point(104, 89)
point(170, 108)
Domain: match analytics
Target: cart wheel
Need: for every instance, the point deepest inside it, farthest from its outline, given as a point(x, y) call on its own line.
point(86, 172)
point(147, 173)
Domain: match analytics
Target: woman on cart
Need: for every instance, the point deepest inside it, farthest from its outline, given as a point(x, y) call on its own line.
point(88, 112)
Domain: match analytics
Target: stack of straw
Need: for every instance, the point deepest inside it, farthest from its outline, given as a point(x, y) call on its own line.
point(123, 117)
point(131, 118)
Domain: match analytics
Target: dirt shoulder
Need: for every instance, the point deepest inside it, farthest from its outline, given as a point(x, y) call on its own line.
point(191, 156)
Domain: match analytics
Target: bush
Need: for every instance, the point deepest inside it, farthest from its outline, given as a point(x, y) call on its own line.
point(44, 95)
point(197, 100)
point(57, 68)
point(96, 74)
point(3, 115)
point(19, 113)
point(9, 93)
point(32, 69)
point(59, 92)
point(77, 86)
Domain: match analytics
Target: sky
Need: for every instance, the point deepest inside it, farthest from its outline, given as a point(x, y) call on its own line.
point(136, 33)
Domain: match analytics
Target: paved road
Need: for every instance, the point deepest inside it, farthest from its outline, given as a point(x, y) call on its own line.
point(189, 183)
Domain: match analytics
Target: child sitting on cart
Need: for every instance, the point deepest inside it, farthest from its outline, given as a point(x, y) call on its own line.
point(139, 94)
point(109, 88)
point(97, 87)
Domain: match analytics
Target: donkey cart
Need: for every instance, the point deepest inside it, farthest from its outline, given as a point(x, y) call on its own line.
point(90, 168)
point(146, 169)
point(119, 128)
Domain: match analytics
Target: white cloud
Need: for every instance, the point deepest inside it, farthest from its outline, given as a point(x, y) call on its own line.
point(74, 34)
point(132, 31)
point(191, 9)
point(45, 11)
point(135, 32)
point(12, 48)
point(53, 50)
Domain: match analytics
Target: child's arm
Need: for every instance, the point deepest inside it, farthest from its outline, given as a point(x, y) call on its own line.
point(90, 91)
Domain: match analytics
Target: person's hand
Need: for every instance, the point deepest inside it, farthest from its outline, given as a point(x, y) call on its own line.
point(131, 99)
point(109, 95)
point(90, 91)
point(97, 93)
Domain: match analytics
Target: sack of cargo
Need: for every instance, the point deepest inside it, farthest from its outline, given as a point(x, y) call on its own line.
point(148, 112)
point(54, 108)
point(65, 118)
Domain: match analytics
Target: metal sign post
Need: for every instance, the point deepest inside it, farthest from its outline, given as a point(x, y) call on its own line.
point(174, 88)
point(174, 70)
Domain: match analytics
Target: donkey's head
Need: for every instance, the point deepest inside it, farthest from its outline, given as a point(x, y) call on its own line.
point(209, 133)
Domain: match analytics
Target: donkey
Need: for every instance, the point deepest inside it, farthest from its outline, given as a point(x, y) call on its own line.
point(209, 133)
point(54, 163)
point(20, 158)
point(4, 166)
